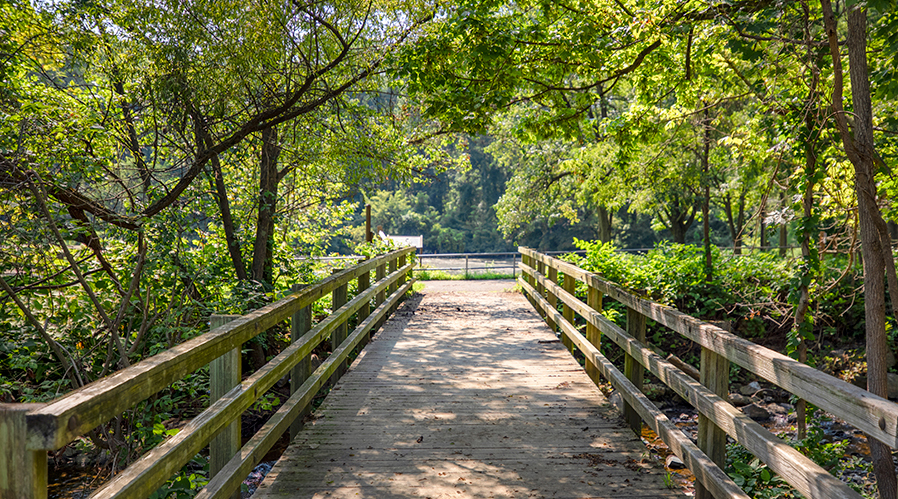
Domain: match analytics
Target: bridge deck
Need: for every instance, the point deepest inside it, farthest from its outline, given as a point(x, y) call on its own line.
point(465, 393)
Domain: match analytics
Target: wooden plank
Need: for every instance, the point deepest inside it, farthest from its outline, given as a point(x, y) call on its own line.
point(632, 368)
point(300, 325)
point(593, 334)
point(798, 470)
point(569, 284)
point(258, 446)
point(81, 410)
point(23, 472)
point(481, 447)
point(225, 373)
point(705, 470)
point(364, 283)
point(381, 296)
point(715, 375)
point(152, 469)
point(338, 299)
point(875, 416)
point(552, 274)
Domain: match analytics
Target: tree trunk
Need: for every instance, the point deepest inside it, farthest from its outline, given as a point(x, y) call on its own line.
point(706, 198)
point(735, 223)
point(762, 226)
point(268, 184)
point(783, 232)
point(604, 224)
point(858, 144)
point(203, 140)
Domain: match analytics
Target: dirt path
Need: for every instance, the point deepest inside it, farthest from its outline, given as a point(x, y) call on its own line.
point(465, 393)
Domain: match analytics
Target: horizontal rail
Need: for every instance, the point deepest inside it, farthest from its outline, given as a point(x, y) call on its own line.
point(874, 415)
point(78, 412)
point(798, 470)
point(702, 467)
point(251, 454)
point(152, 469)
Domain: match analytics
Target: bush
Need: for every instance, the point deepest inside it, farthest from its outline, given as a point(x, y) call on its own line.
point(752, 290)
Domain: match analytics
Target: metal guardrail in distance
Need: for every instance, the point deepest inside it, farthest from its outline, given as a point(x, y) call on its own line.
point(28, 431)
point(473, 263)
point(547, 281)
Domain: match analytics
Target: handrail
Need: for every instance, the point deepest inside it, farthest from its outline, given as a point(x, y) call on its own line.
point(816, 387)
point(32, 430)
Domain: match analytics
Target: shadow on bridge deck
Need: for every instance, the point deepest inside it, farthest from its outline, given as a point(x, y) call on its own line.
point(466, 393)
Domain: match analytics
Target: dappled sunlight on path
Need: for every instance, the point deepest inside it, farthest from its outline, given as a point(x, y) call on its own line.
point(465, 393)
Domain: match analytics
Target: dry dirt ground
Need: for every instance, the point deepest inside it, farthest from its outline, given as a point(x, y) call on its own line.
point(465, 393)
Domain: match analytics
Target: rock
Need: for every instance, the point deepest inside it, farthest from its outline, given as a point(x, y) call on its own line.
point(756, 412)
point(82, 460)
point(656, 392)
point(674, 463)
point(103, 457)
point(780, 408)
point(739, 400)
point(750, 389)
point(617, 401)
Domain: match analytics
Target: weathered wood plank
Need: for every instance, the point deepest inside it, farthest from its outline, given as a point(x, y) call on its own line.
point(23, 472)
point(338, 336)
point(152, 469)
point(705, 470)
point(715, 375)
point(633, 370)
point(593, 334)
point(875, 416)
point(225, 373)
point(798, 470)
point(78, 412)
point(252, 453)
point(300, 325)
point(515, 412)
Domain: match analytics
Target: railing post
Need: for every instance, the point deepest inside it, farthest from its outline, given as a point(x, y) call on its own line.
point(23, 472)
point(550, 296)
point(715, 375)
point(379, 273)
point(225, 373)
point(528, 278)
point(338, 336)
point(569, 285)
point(593, 334)
point(364, 282)
point(300, 325)
point(514, 266)
point(392, 268)
point(541, 268)
point(466, 266)
point(632, 368)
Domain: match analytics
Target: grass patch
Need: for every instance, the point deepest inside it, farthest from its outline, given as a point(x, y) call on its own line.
point(439, 275)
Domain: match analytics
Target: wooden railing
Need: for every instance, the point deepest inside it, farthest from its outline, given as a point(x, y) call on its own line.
point(28, 431)
point(547, 280)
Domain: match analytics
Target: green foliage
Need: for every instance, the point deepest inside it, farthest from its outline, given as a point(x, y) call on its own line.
point(757, 480)
point(751, 289)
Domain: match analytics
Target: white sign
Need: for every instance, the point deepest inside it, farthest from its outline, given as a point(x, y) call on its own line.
point(402, 241)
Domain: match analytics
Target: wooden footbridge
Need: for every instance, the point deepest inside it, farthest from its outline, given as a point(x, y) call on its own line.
point(461, 394)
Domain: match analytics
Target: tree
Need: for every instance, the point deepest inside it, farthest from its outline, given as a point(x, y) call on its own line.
point(857, 140)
